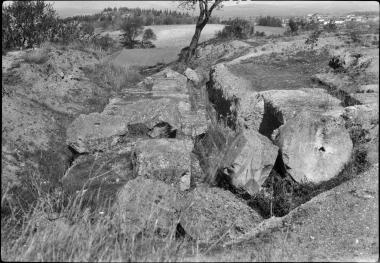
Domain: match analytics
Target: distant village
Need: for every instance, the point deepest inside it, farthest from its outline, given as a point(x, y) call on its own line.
point(324, 19)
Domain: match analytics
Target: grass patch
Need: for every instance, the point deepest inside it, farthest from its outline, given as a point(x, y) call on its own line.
point(36, 56)
point(113, 77)
point(62, 228)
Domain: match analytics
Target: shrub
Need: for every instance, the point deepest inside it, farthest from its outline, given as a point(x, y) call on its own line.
point(312, 40)
point(330, 27)
point(293, 26)
point(260, 34)
point(269, 21)
point(236, 29)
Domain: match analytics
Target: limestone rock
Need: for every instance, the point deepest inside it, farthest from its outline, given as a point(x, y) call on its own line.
point(168, 160)
point(233, 99)
point(249, 159)
point(366, 98)
point(211, 213)
point(315, 147)
point(97, 130)
point(192, 75)
point(150, 206)
point(283, 105)
point(167, 83)
point(98, 170)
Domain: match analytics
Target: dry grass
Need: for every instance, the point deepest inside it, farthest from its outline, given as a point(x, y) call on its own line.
point(57, 228)
point(36, 56)
point(113, 77)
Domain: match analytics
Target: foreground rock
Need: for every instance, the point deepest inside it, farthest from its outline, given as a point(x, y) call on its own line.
point(315, 147)
point(323, 229)
point(248, 160)
point(148, 206)
point(283, 105)
point(145, 117)
point(234, 100)
point(94, 171)
point(167, 160)
point(213, 214)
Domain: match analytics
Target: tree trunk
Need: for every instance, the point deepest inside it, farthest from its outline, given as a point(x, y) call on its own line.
point(194, 42)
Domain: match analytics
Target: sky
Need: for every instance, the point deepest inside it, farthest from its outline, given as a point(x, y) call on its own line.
point(72, 8)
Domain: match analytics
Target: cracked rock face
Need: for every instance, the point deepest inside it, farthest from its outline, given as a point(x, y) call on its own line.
point(145, 117)
point(148, 205)
point(211, 213)
point(234, 100)
point(315, 147)
point(167, 160)
point(249, 159)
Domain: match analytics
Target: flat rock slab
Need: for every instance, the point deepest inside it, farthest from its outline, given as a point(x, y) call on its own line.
point(148, 206)
point(167, 160)
point(146, 117)
point(166, 83)
point(98, 170)
point(366, 98)
point(283, 105)
point(249, 159)
point(315, 147)
point(211, 214)
point(234, 100)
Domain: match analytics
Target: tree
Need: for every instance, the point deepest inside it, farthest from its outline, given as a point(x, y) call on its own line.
point(293, 26)
point(27, 23)
point(205, 11)
point(148, 35)
point(132, 28)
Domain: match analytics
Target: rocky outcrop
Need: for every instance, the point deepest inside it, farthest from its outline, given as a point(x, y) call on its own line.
point(95, 171)
point(283, 105)
point(234, 100)
point(315, 146)
point(248, 160)
point(166, 83)
point(212, 214)
point(145, 117)
point(227, 50)
point(192, 76)
point(148, 206)
point(167, 160)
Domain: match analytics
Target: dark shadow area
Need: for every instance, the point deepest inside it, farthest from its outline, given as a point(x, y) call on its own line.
point(271, 121)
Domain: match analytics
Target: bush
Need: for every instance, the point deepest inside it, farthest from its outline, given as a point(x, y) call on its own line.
point(236, 29)
point(293, 26)
point(27, 23)
point(313, 39)
point(259, 34)
point(132, 28)
point(330, 27)
point(269, 21)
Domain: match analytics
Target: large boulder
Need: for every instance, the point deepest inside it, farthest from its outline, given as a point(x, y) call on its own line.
point(315, 146)
point(283, 105)
point(192, 76)
point(164, 117)
point(212, 214)
point(227, 50)
point(168, 160)
point(248, 160)
point(93, 171)
point(148, 206)
point(234, 100)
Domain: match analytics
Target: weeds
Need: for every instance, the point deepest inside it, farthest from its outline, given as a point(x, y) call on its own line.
point(36, 56)
point(113, 77)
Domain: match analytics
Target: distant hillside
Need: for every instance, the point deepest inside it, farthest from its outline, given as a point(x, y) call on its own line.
point(297, 8)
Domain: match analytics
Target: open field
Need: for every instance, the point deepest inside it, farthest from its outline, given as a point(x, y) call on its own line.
point(170, 40)
point(270, 30)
